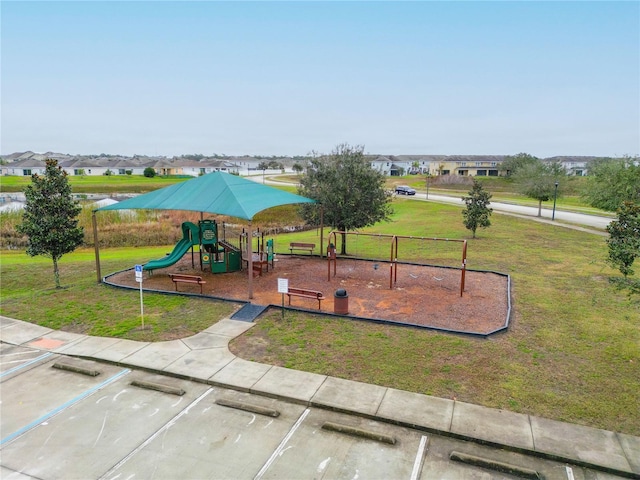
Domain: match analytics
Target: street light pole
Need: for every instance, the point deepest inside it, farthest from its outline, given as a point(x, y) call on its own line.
point(555, 196)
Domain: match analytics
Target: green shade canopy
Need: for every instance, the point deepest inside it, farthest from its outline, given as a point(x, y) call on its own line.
point(219, 192)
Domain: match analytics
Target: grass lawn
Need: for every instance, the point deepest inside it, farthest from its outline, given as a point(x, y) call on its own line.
point(501, 189)
point(84, 306)
point(572, 352)
point(100, 183)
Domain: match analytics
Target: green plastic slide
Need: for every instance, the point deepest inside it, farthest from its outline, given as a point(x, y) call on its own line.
point(182, 247)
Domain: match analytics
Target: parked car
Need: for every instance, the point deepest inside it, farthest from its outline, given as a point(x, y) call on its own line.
point(405, 190)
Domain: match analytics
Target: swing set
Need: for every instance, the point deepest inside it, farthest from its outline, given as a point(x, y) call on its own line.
point(392, 242)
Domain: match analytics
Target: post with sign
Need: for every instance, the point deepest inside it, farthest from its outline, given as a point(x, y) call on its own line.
point(139, 280)
point(283, 287)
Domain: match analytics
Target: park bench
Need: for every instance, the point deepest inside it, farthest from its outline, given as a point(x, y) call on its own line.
point(180, 278)
point(302, 246)
point(303, 292)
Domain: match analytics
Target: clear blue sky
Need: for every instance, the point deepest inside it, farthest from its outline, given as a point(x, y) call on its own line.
point(287, 78)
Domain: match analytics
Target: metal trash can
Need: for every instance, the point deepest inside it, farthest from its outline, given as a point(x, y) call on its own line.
point(341, 302)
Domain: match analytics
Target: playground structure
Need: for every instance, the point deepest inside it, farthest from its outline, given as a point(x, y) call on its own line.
point(218, 255)
point(392, 242)
point(215, 254)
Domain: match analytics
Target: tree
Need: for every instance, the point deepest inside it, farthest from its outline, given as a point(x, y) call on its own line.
point(297, 168)
point(50, 216)
point(512, 164)
point(538, 181)
point(352, 193)
point(263, 166)
point(477, 212)
point(149, 172)
point(612, 182)
point(624, 238)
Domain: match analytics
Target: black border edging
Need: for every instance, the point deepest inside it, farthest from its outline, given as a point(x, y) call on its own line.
point(504, 327)
point(165, 292)
point(381, 321)
point(425, 327)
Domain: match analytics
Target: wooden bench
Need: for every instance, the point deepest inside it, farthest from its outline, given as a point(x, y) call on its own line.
point(303, 292)
point(302, 246)
point(179, 278)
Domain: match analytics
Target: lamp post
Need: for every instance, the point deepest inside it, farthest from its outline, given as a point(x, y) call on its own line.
point(555, 196)
point(428, 181)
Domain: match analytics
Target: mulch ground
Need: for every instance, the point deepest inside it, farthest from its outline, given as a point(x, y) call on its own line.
point(421, 295)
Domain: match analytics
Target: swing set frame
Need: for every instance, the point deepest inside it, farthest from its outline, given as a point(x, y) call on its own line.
point(394, 242)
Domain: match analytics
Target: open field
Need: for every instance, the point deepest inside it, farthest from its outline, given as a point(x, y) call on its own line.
point(99, 183)
point(501, 188)
point(572, 352)
point(84, 306)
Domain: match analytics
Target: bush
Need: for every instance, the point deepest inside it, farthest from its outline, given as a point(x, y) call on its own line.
point(9, 236)
point(149, 172)
point(452, 180)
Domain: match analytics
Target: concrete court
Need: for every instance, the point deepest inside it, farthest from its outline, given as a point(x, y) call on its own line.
point(206, 359)
point(126, 432)
point(121, 431)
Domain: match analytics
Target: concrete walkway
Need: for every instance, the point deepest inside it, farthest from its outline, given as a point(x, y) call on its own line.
point(205, 357)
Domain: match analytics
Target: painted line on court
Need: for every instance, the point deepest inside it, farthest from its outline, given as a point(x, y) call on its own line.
point(62, 407)
point(165, 427)
point(278, 450)
point(24, 365)
point(417, 464)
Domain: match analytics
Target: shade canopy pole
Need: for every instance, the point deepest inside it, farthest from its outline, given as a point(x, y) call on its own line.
point(96, 246)
point(250, 259)
point(321, 231)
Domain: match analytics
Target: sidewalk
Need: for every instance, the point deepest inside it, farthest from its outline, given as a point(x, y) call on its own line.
point(205, 357)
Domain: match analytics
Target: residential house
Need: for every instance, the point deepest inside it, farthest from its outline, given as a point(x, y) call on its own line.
point(473, 165)
point(25, 167)
point(27, 163)
point(573, 165)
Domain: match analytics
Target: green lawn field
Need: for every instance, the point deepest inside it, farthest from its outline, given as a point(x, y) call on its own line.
point(99, 183)
point(572, 352)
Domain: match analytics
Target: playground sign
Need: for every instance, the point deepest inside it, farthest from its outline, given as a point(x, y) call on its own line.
point(138, 269)
point(139, 273)
point(283, 287)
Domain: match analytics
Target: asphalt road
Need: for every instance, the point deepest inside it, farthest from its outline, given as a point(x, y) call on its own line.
point(593, 221)
point(581, 219)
